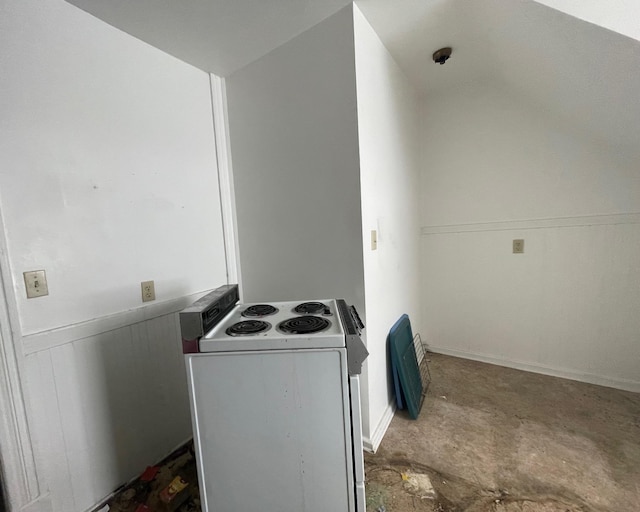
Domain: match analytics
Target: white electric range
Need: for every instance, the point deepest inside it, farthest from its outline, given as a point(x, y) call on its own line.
point(275, 403)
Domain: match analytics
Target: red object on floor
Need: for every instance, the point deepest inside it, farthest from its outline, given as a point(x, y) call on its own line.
point(149, 474)
point(143, 508)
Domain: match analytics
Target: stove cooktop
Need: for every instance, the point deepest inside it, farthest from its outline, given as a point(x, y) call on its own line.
point(217, 323)
point(277, 325)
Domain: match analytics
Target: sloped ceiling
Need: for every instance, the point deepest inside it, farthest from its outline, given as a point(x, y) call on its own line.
point(585, 73)
point(219, 36)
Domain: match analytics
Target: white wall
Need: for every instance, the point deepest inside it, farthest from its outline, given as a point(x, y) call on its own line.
point(496, 169)
point(388, 120)
point(108, 179)
point(108, 166)
point(294, 143)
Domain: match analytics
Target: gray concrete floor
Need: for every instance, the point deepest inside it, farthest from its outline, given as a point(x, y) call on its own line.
point(493, 438)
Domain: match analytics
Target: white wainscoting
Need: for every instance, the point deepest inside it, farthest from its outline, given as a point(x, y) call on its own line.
point(41, 504)
point(566, 307)
point(105, 406)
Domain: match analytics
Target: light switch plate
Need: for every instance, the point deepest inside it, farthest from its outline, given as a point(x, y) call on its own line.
point(36, 283)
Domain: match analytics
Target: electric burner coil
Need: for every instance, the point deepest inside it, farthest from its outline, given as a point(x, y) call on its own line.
point(248, 328)
point(312, 308)
point(307, 324)
point(258, 310)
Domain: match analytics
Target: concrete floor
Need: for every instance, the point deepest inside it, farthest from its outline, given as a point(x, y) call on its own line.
point(493, 438)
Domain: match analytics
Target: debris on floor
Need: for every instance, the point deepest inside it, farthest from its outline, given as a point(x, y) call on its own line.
point(174, 494)
point(419, 485)
point(395, 488)
point(171, 486)
point(396, 485)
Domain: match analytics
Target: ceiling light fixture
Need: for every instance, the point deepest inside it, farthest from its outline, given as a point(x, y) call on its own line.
point(442, 55)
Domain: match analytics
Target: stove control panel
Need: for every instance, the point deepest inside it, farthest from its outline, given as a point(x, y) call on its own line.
point(203, 314)
point(356, 350)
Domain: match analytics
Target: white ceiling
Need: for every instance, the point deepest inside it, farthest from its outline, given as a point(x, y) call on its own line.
point(219, 36)
point(584, 73)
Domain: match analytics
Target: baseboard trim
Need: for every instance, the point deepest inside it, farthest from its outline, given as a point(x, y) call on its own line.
point(45, 340)
point(371, 444)
point(623, 384)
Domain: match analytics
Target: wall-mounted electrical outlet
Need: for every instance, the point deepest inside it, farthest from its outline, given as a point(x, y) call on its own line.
point(148, 291)
point(36, 283)
point(518, 246)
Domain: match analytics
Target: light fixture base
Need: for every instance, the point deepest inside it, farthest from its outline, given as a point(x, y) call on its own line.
point(442, 55)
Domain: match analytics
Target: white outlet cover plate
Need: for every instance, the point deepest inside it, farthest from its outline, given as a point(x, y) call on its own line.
point(518, 246)
point(148, 291)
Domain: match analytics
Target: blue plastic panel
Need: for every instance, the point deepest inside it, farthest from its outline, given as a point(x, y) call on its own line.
point(403, 359)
